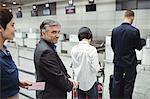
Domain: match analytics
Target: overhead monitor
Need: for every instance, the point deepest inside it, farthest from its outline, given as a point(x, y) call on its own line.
point(44, 9)
point(34, 13)
point(90, 7)
point(70, 9)
point(19, 14)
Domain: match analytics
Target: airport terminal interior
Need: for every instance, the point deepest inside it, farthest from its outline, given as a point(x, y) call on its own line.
point(101, 16)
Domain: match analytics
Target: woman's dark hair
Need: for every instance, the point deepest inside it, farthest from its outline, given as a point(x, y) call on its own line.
point(5, 17)
point(84, 33)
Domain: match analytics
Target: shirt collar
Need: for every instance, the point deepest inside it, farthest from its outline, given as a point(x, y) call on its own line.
point(53, 46)
point(83, 42)
point(2, 54)
point(126, 23)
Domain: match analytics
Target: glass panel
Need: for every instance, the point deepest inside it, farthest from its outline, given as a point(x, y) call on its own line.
point(126, 4)
point(143, 4)
point(131, 4)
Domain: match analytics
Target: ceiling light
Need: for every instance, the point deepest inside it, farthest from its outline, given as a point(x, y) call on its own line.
point(70, 2)
point(19, 8)
point(14, 3)
point(91, 1)
point(10, 10)
point(47, 5)
point(4, 5)
point(34, 7)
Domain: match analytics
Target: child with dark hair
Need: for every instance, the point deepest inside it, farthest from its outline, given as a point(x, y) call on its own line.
point(86, 65)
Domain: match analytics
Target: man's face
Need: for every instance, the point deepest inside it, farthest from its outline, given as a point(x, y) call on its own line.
point(52, 35)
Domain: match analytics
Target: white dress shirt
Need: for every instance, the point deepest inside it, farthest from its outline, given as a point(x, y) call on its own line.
point(85, 64)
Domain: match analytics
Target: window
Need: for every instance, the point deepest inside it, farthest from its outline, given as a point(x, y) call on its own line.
point(143, 4)
point(132, 4)
point(44, 11)
point(126, 4)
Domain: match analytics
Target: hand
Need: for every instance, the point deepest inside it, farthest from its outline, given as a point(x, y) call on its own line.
point(25, 84)
point(143, 42)
point(75, 83)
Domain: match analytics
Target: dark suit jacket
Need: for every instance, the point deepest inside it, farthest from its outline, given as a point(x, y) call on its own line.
point(50, 69)
point(125, 39)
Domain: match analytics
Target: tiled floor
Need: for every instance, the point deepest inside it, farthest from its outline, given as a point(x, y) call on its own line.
point(141, 90)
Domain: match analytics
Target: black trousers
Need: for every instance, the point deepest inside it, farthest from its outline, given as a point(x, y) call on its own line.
point(91, 94)
point(126, 76)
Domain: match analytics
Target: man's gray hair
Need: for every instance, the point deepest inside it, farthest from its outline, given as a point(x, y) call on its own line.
point(47, 23)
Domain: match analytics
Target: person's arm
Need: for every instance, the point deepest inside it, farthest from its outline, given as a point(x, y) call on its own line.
point(143, 41)
point(139, 43)
point(94, 61)
point(25, 84)
point(51, 70)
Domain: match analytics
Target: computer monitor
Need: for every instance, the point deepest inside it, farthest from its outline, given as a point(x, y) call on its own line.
point(90, 7)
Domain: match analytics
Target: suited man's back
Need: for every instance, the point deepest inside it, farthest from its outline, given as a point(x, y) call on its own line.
point(125, 40)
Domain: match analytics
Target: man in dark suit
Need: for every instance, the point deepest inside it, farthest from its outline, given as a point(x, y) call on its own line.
point(49, 67)
point(125, 39)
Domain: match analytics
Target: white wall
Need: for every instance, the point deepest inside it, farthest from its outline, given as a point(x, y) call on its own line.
point(100, 21)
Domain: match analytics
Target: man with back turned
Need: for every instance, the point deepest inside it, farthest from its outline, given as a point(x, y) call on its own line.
point(125, 39)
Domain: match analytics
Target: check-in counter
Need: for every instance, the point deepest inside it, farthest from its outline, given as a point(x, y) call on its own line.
point(146, 56)
point(19, 38)
point(108, 50)
point(67, 46)
point(32, 39)
point(73, 38)
point(31, 42)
